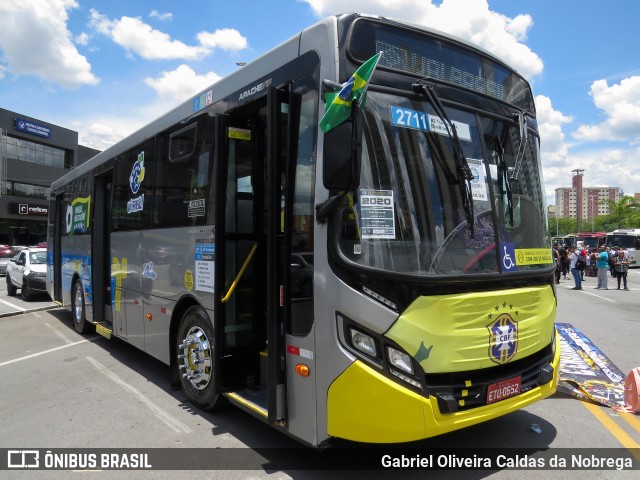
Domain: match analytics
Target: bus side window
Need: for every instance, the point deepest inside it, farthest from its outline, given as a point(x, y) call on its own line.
point(183, 176)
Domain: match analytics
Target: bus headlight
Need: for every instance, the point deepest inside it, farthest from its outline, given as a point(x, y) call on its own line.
point(363, 342)
point(400, 360)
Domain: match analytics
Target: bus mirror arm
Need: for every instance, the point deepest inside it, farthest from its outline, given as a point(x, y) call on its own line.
point(329, 205)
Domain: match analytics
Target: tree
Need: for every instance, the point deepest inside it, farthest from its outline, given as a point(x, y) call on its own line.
point(622, 211)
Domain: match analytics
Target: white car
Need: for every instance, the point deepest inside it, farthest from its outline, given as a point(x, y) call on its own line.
point(27, 271)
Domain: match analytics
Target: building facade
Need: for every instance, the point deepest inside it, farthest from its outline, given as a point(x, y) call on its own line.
point(593, 201)
point(33, 153)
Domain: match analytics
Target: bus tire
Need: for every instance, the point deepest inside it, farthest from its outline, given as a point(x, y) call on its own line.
point(77, 308)
point(11, 290)
point(194, 359)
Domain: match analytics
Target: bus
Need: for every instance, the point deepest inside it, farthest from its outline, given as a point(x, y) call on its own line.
point(565, 240)
point(420, 215)
point(629, 238)
point(593, 240)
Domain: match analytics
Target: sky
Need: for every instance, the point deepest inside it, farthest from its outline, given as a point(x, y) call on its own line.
point(105, 68)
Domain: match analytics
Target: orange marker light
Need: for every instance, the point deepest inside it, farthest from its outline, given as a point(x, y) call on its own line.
point(149, 316)
point(303, 370)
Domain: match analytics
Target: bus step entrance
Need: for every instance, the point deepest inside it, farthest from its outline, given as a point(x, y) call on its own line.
point(103, 328)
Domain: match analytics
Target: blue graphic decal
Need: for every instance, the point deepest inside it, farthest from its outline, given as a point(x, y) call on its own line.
point(137, 174)
point(508, 257)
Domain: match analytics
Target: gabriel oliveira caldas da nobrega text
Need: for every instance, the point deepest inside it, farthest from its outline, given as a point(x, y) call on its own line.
point(568, 461)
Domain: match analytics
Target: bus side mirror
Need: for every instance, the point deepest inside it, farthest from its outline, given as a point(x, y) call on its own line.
point(342, 151)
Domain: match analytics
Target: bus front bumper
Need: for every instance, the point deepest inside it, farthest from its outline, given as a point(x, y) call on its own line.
point(365, 406)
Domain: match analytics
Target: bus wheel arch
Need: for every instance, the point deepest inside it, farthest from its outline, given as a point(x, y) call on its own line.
point(193, 358)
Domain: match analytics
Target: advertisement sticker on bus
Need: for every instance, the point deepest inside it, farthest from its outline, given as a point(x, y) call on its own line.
point(77, 217)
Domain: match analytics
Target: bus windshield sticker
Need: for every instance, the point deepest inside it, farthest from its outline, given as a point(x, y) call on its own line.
point(407, 118)
point(377, 214)
point(508, 257)
point(205, 266)
point(196, 208)
point(533, 256)
point(479, 181)
point(239, 133)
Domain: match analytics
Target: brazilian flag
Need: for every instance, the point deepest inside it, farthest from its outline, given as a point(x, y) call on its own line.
point(339, 103)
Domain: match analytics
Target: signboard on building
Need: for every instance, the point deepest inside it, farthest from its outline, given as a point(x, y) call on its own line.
point(32, 128)
point(26, 209)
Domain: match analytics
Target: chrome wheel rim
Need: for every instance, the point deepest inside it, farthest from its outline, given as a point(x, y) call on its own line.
point(195, 358)
point(77, 303)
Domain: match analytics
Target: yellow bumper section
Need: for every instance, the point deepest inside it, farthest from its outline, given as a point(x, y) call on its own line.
point(365, 406)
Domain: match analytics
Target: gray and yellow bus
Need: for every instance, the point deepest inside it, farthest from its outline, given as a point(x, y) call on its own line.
point(384, 278)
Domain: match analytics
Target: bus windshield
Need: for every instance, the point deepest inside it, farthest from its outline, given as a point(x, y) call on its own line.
point(408, 215)
point(621, 240)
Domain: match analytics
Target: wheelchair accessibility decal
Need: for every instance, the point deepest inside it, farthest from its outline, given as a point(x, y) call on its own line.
point(508, 257)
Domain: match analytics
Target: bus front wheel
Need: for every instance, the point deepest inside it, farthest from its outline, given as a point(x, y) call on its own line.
point(77, 308)
point(194, 350)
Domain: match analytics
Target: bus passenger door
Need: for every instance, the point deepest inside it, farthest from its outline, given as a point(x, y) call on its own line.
point(101, 250)
point(253, 245)
point(239, 275)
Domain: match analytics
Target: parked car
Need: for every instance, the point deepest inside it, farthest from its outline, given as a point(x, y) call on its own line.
point(6, 254)
point(27, 271)
point(5, 257)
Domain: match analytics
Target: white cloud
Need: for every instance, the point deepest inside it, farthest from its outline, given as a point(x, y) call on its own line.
point(139, 38)
point(101, 135)
point(621, 105)
point(181, 83)
point(468, 19)
point(34, 40)
point(82, 39)
point(225, 39)
point(161, 16)
point(550, 121)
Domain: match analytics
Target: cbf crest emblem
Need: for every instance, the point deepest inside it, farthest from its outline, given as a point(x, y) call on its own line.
point(137, 174)
point(503, 335)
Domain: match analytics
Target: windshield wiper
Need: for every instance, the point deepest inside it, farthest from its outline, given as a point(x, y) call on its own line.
point(522, 127)
point(464, 172)
point(503, 178)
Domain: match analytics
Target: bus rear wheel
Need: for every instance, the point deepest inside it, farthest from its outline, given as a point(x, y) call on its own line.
point(194, 350)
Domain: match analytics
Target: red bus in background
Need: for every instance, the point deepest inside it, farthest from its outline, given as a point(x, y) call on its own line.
point(591, 239)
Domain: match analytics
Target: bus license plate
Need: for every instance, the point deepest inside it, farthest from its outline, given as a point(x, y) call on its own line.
point(504, 389)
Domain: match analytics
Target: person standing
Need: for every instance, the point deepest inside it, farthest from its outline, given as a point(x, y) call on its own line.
point(564, 261)
point(574, 256)
point(613, 256)
point(556, 256)
point(622, 266)
point(602, 263)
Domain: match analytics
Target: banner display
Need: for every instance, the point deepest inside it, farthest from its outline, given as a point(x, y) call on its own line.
point(586, 372)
